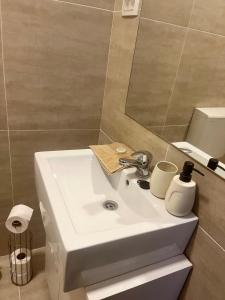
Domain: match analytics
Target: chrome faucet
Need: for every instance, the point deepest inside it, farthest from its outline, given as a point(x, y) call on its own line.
point(142, 161)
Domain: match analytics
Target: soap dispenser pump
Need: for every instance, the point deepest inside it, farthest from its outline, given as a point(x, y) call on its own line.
point(180, 196)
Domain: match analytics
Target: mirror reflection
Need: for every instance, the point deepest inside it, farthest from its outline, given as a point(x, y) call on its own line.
point(177, 90)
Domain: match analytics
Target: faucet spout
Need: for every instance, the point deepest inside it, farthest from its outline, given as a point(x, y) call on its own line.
point(127, 162)
point(142, 161)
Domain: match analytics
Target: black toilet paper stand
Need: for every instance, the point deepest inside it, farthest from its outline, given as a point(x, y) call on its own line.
point(20, 257)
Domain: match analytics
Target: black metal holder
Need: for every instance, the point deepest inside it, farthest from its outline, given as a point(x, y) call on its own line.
point(20, 257)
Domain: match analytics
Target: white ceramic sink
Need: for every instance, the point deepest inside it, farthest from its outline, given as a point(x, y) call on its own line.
point(91, 243)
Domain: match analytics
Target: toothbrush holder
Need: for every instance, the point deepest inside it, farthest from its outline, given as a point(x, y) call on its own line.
point(162, 175)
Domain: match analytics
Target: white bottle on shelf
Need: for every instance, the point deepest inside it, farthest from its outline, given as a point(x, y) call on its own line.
point(180, 196)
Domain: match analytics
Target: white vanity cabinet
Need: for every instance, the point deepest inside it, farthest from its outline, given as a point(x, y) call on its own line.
point(134, 251)
point(162, 281)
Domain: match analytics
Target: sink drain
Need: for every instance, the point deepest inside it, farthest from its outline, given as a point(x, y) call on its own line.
point(110, 205)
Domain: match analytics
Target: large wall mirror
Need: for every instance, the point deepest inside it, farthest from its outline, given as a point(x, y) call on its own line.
point(177, 89)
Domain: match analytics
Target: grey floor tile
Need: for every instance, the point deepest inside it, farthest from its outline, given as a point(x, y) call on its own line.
point(36, 289)
point(8, 291)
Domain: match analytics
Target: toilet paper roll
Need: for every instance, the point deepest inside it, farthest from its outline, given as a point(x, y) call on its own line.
point(21, 261)
point(21, 279)
point(19, 218)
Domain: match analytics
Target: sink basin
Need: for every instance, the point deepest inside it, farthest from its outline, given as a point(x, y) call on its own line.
point(99, 226)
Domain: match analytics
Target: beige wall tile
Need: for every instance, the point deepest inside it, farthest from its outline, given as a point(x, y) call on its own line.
point(123, 39)
point(55, 62)
point(156, 59)
point(4, 249)
point(5, 178)
point(3, 122)
point(103, 138)
point(207, 279)
point(217, 230)
point(36, 226)
point(174, 133)
point(3, 119)
point(118, 5)
point(115, 123)
point(201, 77)
point(222, 158)
point(105, 4)
point(38, 263)
point(23, 146)
point(156, 130)
point(209, 15)
point(175, 12)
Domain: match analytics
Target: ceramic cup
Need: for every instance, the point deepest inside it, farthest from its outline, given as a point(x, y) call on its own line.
point(162, 175)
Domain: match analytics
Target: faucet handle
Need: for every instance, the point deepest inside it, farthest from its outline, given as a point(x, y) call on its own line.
point(144, 157)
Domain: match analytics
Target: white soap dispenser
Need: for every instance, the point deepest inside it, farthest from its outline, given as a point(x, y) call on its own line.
point(180, 196)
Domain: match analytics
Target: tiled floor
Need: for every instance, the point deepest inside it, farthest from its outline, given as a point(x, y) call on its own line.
point(35, 290)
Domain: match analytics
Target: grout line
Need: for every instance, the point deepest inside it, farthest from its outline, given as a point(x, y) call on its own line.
point(184, 27)
point(206, 32)
point(66, 129)
point(107, 68)
point(83, 5)
point(170, 125)
point(124, 102)
point(110, 43)
point(107, 136)
point(19, 293)
point(114, 14)
point(211, 238)
point(176, 125)
point(178, 67)
point(163, 22)
point(114, 6)
point(6, 103)
point(167, 150)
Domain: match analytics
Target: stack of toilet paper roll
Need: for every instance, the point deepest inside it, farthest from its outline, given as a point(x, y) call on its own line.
point(20, 257)
point(21, 266)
